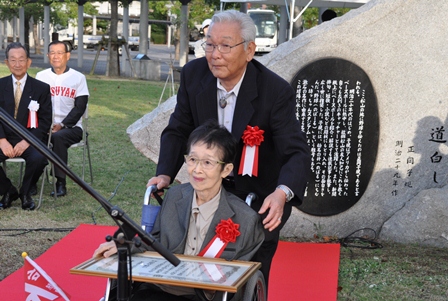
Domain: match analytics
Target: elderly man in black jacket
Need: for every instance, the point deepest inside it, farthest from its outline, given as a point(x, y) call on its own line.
point(29, 102)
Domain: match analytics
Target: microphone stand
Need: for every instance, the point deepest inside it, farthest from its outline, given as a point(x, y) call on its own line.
point(129, 228)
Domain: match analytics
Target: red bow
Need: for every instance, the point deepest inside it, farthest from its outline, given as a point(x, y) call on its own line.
point(252, 138)
point(226, 231)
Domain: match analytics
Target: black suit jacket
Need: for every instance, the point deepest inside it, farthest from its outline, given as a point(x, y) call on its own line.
point(33, 90)
point(264, 100)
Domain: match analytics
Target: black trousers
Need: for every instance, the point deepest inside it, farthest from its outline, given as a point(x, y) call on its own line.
point(267, 250)
point(61, 141)
point(34, 167)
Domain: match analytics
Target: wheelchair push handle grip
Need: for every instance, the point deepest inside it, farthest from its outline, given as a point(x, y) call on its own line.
point(152, 190)
point(250, 198)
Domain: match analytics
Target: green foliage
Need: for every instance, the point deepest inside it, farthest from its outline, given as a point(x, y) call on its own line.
point(63, 13)
point(158, 11)
point(9, 9)
point(215, 4)
point(59, 14)
point(199, 11)
point(101, 25)
point(311, 16)
point(71, 12)
point(158, 38)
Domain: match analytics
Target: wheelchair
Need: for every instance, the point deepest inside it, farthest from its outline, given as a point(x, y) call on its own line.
point(253, 290)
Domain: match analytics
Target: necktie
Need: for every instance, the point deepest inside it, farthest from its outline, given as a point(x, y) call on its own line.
point(226, 116)
point(17, 96)
point(223, 100)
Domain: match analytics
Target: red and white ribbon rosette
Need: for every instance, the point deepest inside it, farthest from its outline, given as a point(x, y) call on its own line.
point(32, 116)
point(226, 231)
point(252, 138)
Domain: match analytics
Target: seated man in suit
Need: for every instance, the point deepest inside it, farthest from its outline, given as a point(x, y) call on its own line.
point(29, 102)
point(191, 212)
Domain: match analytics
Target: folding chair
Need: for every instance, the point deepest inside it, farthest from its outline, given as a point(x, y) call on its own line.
point(46, 175)
point(84, 143)
point(22, 165)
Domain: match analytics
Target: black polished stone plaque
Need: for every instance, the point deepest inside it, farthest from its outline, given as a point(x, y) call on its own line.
point(338, 111)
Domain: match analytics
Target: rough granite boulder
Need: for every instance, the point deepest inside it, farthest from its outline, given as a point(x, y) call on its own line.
point(401, 46)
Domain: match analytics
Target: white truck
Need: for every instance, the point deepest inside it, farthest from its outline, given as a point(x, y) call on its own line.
point(66, 35)
point(267, 29)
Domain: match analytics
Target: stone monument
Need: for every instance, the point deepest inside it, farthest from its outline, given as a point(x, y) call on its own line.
point(372, 98)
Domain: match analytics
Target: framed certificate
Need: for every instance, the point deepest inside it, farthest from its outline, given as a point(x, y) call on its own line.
point(193, 271)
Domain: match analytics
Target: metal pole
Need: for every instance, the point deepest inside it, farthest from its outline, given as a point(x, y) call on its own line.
point(293, 19)
point(125, 35)
point(143, 27)
point(22, 25)
point(321, 11)
point(5, 38)
point(169, 26)
point(46, 32)
point(80, 35)
point(183, 49)
point(283, 24)
point(94, 25)
point(2, 33)
point(14, 29)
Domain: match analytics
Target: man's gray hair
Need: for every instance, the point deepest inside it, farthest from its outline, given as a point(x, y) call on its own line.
point(245, 22)
point(15, 45)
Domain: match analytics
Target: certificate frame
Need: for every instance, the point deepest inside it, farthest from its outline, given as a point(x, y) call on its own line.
point(193, 271)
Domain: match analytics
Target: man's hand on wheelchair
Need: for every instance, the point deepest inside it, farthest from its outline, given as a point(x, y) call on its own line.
point(162, 181)
point(274, 203)
point(105, 249)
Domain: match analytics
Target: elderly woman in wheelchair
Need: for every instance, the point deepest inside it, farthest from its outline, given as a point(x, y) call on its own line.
point(193, 213)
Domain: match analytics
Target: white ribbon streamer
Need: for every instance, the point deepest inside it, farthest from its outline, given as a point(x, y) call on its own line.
point(33, 107)
point(214, 248)
point(33, 119)
point(213, 271)
point(249, 160)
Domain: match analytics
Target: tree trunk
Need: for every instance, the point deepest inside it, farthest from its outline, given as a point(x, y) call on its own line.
point(297, 27)
point(177, 44)
point(36, 40)
point(27, 33)
point(113, 40)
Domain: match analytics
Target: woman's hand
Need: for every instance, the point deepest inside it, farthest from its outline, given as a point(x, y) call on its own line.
point(105, 249)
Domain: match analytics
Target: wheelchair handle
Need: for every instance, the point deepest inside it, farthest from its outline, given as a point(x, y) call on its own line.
point(250, 198)
point(152, 190)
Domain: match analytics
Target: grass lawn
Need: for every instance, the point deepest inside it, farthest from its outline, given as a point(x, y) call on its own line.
point(120, 171)
point(395, 272)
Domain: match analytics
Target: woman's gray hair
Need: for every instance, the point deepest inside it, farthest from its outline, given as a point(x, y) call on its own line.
point(245, 22)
